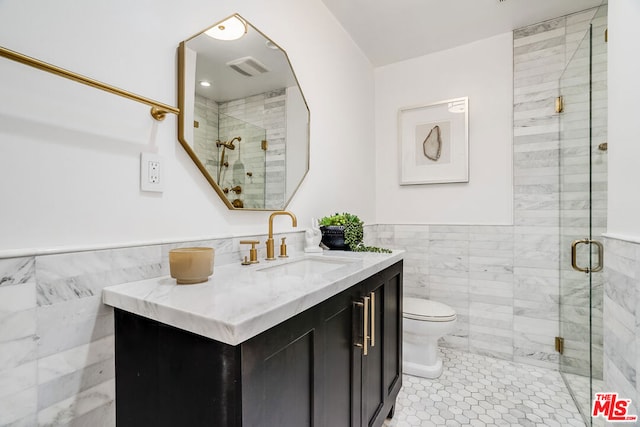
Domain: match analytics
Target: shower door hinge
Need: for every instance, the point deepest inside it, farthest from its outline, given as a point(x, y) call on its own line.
point(559, 104)
point(560, 345)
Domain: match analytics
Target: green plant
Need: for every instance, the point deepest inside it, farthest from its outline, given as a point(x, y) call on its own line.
point(353, 231)
point(340, 219)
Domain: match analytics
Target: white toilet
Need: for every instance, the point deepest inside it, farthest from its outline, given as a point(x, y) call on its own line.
point(424, 322)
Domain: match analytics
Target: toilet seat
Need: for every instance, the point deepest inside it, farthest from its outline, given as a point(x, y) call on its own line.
point(427, 310)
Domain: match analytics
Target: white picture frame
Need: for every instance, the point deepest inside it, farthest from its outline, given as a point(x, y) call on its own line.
point(433, 142)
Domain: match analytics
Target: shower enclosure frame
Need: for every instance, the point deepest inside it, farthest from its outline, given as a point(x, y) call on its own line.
point(581, 108)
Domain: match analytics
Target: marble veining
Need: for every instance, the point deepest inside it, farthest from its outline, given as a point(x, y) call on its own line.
point(238, 302)
point(63, 412)
point(14, 271)
point(63, 277)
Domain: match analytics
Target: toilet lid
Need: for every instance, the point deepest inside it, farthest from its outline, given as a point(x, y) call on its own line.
point(424, 309)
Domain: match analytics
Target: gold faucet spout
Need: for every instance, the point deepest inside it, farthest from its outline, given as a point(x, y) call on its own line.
point(270, 245)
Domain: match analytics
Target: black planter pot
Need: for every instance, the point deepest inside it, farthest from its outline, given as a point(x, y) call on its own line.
point(333, 237)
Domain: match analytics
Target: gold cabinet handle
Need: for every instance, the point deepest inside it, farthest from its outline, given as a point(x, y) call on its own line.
point(373, 318)
point(574, 261)
point(366, 337)
point(365, 325)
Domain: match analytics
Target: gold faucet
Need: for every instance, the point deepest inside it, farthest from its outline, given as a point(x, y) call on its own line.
point(270, 246)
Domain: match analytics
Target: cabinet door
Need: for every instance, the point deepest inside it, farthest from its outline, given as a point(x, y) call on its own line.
point(373, 394)
point(167, 377)
point(280, 373)
point(382, 366)
point(339, 397)
point(392, 327)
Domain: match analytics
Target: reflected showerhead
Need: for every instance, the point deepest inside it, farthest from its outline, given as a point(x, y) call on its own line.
point(228, 144)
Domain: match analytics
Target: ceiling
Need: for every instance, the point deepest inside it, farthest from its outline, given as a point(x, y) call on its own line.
point(389, 31)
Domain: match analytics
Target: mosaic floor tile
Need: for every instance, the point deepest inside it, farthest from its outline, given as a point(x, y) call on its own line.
point(476, 390)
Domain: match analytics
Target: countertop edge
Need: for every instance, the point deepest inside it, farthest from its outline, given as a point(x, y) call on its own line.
point(235, 334)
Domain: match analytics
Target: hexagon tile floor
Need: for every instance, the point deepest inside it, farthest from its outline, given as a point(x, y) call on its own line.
point(479, 391)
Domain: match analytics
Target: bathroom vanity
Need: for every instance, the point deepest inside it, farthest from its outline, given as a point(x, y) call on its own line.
point(310, 341)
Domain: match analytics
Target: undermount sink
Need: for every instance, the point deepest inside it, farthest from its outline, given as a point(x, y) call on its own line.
point(307, 266)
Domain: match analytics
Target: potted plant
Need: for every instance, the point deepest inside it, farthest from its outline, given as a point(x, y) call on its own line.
point(345, 232)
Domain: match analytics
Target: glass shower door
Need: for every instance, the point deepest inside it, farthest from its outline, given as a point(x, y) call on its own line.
point(582, 199)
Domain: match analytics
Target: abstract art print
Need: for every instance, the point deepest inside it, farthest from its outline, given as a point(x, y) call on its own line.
point(434, 142)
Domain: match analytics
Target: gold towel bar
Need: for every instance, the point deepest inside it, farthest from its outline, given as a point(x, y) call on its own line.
point(158, 109)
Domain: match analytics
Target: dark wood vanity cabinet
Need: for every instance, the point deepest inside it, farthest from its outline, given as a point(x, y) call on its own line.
point(306, 371)
point(381, 368)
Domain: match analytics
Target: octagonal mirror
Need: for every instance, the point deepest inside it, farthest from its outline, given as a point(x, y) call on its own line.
point(243, 118)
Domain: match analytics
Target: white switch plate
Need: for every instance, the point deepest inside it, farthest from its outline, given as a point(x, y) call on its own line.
point(151, 172)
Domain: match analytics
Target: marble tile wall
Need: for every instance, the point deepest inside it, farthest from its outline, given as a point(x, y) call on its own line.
point(56, 336)
point(504, 281)
point(622, 319)
point(467, 267)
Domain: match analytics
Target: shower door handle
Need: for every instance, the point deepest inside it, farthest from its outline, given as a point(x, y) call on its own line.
point(600, 256)
point(574, 260)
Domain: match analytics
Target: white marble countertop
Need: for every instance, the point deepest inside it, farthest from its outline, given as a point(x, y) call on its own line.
point(239, 302)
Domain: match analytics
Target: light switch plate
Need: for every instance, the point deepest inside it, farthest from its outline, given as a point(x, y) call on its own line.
point(152, 175)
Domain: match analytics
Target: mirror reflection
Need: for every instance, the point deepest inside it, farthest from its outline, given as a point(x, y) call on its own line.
point(243, 118)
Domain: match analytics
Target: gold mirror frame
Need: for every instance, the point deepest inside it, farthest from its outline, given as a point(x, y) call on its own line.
point(187, 145)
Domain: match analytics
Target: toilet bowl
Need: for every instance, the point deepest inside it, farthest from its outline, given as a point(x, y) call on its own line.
point(424, 322)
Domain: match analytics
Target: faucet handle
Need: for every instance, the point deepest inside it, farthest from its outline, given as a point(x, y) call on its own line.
point(283, 248)
point(253, 252)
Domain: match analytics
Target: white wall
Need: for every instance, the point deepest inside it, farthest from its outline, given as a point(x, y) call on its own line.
point(69, 154)
point(483, 71)
point(623, 124)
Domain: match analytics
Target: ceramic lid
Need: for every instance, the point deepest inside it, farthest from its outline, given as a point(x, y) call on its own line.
point(424, 309)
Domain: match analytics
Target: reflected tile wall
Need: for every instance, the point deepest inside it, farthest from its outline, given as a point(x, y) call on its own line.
point(56, 336)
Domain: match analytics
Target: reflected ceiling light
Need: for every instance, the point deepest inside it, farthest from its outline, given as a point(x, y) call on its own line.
point(231, 28)
point(205, 83)
point(271, 45)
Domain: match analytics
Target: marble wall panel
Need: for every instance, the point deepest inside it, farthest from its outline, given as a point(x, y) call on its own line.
point(69, 276)
point(56, 336)
point(491, 291)
point(18, 340)
point(414, 239)
point(621, 322)
point(14, 271)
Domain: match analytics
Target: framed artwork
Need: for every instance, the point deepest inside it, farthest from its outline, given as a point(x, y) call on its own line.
point(434, 142)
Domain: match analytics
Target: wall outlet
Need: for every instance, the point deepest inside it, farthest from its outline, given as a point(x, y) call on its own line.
point(151, 172)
